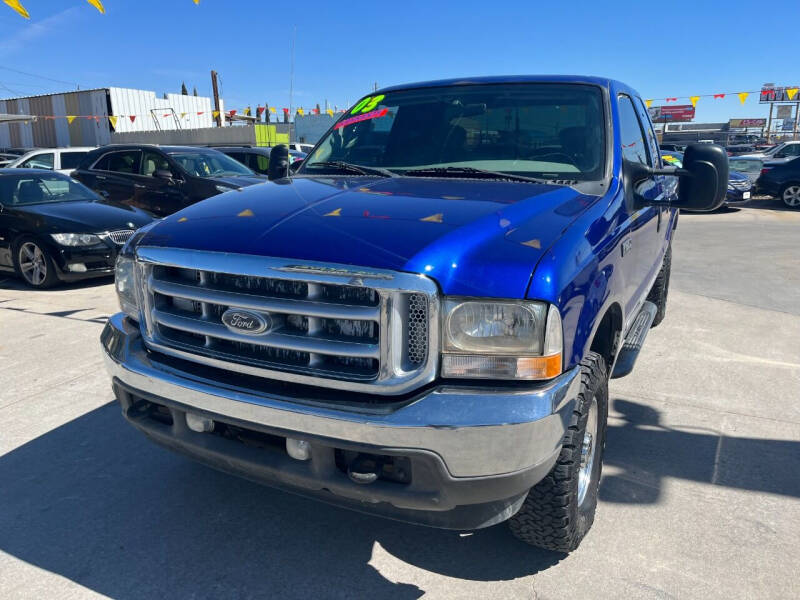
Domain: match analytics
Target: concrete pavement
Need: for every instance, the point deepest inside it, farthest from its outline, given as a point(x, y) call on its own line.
point(700, 496)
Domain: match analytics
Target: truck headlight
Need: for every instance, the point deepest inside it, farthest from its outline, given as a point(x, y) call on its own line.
point(125, 282)
point(75, 239)
point(501, 339)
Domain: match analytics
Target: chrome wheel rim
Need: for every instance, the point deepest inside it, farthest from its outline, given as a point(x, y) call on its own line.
point(588, 449)
point(791, 195)
point(32, 263)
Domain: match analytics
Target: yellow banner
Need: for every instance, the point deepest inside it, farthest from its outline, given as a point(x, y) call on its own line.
point(113, 121)
point(15, 4)
point(70, 119)
point(791, 93)
point(215, 114)
point(743, 96)
point(694, 100)
point(98, 5)
point(647, 103)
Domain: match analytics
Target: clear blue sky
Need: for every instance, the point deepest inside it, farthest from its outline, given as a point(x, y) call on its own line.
point(662, 49)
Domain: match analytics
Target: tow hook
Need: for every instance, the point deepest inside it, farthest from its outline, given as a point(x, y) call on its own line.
point(364, 469)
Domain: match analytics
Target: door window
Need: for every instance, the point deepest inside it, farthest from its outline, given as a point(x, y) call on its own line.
point(152, 162)
point(634, 146)
point(71, 160)
point(124, 161)
point(40, 161)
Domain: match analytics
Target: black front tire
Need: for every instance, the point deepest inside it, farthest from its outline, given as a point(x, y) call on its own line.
point(553, 516)
point(660, 290)
point(46, 276)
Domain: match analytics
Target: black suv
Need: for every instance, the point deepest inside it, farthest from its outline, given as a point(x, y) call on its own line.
point(257, 157)
point(161, 179)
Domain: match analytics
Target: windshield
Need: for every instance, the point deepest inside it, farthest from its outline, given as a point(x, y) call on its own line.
point(541, 130)
point(19, 190)
point(746, 165)
point(209, 164)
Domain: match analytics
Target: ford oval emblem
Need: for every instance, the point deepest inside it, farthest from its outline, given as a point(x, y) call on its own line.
point(244, 321)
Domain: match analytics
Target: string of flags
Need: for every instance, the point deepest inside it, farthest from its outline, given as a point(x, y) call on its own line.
point(114, 119)
point(790, 93)
point(17, 6)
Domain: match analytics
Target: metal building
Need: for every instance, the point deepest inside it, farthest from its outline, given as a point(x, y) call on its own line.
point(80, 118)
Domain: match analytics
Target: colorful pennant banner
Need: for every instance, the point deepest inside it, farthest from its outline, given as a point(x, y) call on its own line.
point(16, 5)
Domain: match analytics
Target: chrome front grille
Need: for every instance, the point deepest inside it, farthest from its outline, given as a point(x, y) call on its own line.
point(740, 185)
point(337, 326)
point(121, 236)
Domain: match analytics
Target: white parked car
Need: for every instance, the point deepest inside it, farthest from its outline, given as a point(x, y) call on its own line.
point(63, 160)
point(305, 148)
point(777, 154)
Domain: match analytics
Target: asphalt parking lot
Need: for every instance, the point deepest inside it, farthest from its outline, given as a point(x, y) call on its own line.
point(700, 496)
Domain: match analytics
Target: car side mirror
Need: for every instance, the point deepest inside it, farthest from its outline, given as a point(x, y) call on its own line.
point(278, 162)
point(164, 174)
point(703, 181)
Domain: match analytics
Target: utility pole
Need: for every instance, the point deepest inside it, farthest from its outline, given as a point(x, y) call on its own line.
point(291, 74)
point(215, 89)
point(769, 122)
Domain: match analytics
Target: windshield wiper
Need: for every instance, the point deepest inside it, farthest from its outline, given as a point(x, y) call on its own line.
point(469, 172)
point(350, 167)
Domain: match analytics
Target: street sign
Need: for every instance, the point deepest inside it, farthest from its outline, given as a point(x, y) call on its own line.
point(736, 123)
point(673, 113)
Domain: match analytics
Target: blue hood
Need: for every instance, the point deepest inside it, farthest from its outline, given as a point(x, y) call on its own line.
point(474, 237)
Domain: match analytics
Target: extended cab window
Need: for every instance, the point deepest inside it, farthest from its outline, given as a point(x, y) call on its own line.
point(124, 161)
point(542, 130)
point(40, 161)
point(634, 146)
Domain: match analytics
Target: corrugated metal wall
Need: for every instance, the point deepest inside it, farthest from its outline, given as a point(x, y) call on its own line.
point(90, 108)
point(153, 113)
point(89, 128)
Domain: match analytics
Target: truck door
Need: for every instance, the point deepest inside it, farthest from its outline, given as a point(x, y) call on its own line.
point(641, 254)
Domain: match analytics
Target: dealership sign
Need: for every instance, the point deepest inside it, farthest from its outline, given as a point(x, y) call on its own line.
point(771, 93)
point(674, 114)
point(747, 123)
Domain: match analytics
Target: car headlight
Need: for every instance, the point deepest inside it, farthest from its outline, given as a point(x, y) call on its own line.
point(75, 239)
point(125, 283)
point(501, 339)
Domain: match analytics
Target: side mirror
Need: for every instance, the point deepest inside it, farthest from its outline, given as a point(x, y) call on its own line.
point(704, 180)
point(278, 162)
point(164, 174)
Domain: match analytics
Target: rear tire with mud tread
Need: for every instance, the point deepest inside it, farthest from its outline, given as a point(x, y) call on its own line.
point(660, 290)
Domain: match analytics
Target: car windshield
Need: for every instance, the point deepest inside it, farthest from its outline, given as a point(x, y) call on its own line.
point(209, 164)
point(536, 130)
point(746, 165)
point(19, 190)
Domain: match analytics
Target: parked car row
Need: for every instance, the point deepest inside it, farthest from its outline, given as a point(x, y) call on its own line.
point(775, 172)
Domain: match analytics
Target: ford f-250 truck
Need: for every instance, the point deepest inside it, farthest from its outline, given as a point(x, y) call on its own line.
point(420, 321)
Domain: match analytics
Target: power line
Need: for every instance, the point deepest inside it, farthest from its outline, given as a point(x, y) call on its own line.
point(40, 76)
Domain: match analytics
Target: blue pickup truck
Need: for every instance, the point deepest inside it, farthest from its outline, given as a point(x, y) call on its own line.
point(420, 320)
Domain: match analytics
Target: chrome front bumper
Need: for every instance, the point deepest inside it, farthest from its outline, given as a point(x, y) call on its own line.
point(475, 431)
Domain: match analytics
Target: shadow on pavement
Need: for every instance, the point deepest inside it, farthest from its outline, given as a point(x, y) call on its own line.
point(767, 203)
point(647, 452)
point(9, 281)
point(95, 502)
